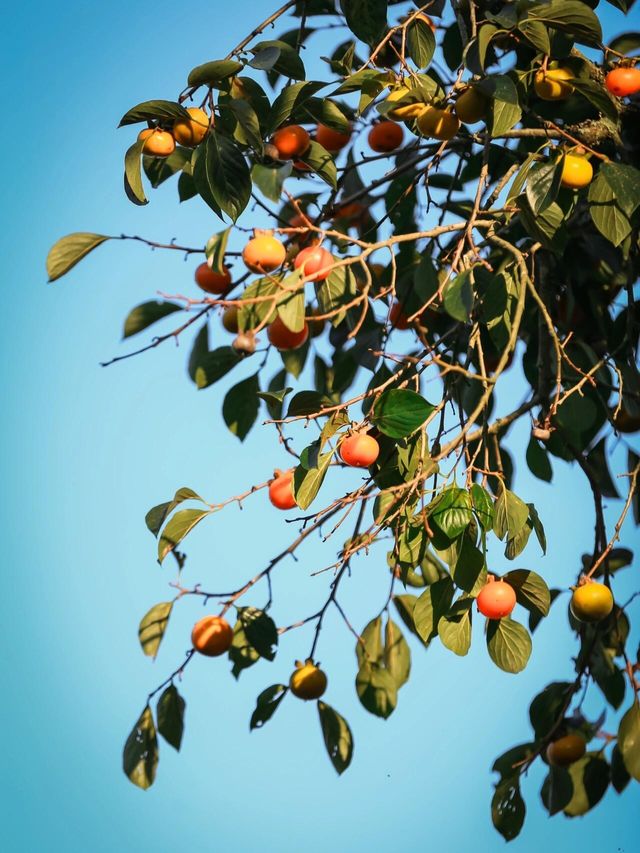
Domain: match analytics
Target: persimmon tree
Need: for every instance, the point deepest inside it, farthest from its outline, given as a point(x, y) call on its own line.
point(459, 191)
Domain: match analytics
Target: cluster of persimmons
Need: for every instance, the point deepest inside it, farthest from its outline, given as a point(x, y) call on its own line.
point(264, 254)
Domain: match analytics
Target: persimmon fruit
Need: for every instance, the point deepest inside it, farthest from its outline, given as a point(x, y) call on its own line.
point(496, 599)
point(212, 636)
point(441, 124)
point(157, 142)
point(332, 140)
point(314, 261)
point(230, 319)
point(283, 338)
point(566, 750)
point(577, 172)
point(291, 141)
point(190, 132)
point(385, 137)
point(591, 602)
point(398, 318)
point(471, 106)
point(553, 84)
point(264, 254)
point(307, 681)
point(359, 450)
point(281, 490)
point(623, 81)
point(211, 281)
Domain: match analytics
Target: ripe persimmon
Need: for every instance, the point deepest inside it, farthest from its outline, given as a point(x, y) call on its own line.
point(191, 131)
point(314, 261)
point(230, 319)
point(398, 318)
point(359, 450)
point(496, 599)
point(471, 105)
point(577, 172)
point(283, 338)
point(441, 124)
point(281, 490)
point(353, 210)
point(623, 81)
point(157, 142)
point(210, 281)
point(566, 750)
point(591, 601)
point(307, 681)
point(553, 84)
point(264, 253)
point(291, 141)
point(212, 636)
point(332, 140)
point(385, 137)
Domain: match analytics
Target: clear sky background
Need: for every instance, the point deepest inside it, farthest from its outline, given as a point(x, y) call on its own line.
point(86, 451)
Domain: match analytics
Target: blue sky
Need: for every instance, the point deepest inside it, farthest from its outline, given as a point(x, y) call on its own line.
point(87, 451)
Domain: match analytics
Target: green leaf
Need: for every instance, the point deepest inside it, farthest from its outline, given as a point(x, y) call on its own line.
point(153, 111)
point(505, 109)
point(434, 602)
point(454, 628)
point(160, 169)
point(307, 403)
point(543, 184)
point(170, 714)
point(508, 808)
point(625, 182)
point(421, 43)
point(626, 43)
point(152, 627)
point(214, 365)
point(324, 111)
point(629, 740)
point(590, 778)
point(216, 248)
point(156, 516)
point(221, 172)
point(177, 528)
point(483, 505)
point(266, 705)
point(270, 180)
point(557, 790)
point(569, 16)
point(308, 479)
point(547, 707)
point(274, 398)
point(240, 406)
point(250, 133)
point(511, 515)
point(399, 412)
point(133, 174)
point(290, 98)
point(469, 571)
point(459, 298)
point(367, 19)
point(253, 313)
point(451, 511)
point(397, 656)
point(538, 461)
point(336, 290)
point(337, 736)
point(608, 216)
point(507, 764)
point(509, 644)
point(288, 62)
point(260, 631)
point(376, 689)
point(619, 776)
point(144, 315)
point(241, 654)
point(531, 590)
point(140, 756)
point(322, 163)
point(69, 250)
point(369, 645)
point(291, 305)
point(213, 72)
